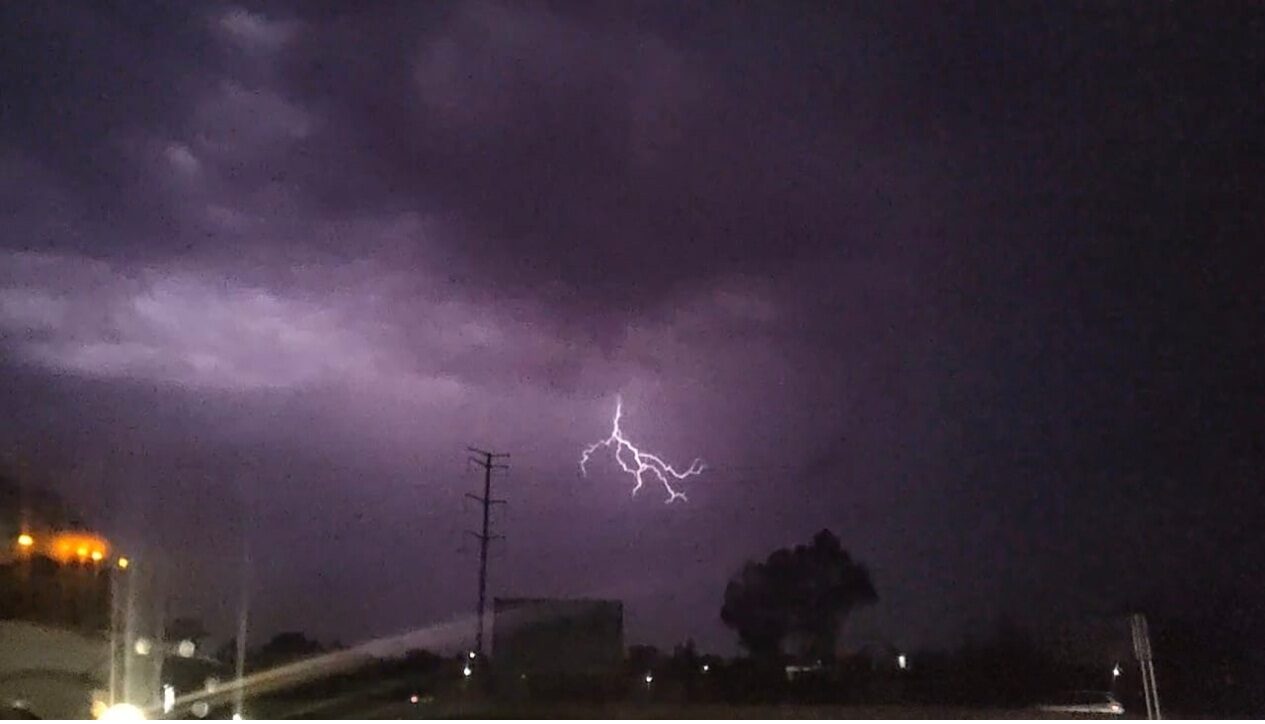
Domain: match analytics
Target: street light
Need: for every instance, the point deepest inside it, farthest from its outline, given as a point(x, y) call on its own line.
point(25, 540)
point(467, 671)
point(1116, 672)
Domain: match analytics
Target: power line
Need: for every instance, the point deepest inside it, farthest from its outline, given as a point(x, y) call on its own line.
point(485, 460)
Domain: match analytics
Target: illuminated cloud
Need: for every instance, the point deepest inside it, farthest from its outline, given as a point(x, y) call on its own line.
point(255, 31)
point(193, 329)
point(181, 159)
point(234, 120)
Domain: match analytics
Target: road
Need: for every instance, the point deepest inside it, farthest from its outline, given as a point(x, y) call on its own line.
point(405, 710)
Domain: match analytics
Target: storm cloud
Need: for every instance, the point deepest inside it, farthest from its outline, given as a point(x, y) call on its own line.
point(942, 282)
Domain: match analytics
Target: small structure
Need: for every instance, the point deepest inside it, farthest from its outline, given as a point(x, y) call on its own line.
point(542, 645)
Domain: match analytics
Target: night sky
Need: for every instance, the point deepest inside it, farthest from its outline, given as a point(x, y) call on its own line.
point(978, 289)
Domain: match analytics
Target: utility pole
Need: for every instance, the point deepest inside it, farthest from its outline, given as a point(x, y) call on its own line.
point(487, 461)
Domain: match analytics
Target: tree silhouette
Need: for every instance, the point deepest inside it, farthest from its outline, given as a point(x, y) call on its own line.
point(286, 647)
point(802, 594)
point(186, 627)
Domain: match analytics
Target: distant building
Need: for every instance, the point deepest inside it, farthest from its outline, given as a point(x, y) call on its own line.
point(557, 640)
point(799, 671)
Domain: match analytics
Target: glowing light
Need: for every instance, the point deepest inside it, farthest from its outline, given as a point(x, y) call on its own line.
point(901, 662)
point(707, 668)
point(123, 712)
point(186, 648)
point(142, 647)
point(649, 679)
point(67, 546)
point(97, 555)
point(169, 698)
point(1116, 672)
point(26, 541)
point(641, 462)
point(413, 699)
point(471, 655)
point(124, 563)
point(237, 716)
point(467, 671)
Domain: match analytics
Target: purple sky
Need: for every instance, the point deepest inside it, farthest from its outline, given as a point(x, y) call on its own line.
point(979, 292)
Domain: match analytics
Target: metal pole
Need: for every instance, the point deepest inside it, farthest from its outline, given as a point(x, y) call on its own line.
point(114, 635)
point(483, 553)
point(485, 461)
point(243, 606)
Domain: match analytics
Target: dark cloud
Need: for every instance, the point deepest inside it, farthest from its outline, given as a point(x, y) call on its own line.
point(602, 156)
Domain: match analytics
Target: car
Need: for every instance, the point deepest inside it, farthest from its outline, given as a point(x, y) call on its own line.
point(1100, 703)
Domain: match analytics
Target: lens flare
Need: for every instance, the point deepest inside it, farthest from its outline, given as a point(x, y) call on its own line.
point(123, 712)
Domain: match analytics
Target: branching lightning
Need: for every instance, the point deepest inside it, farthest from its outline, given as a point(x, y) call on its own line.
point(636, 462)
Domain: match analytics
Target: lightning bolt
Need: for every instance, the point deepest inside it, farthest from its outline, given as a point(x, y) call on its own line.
point(637, 463)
